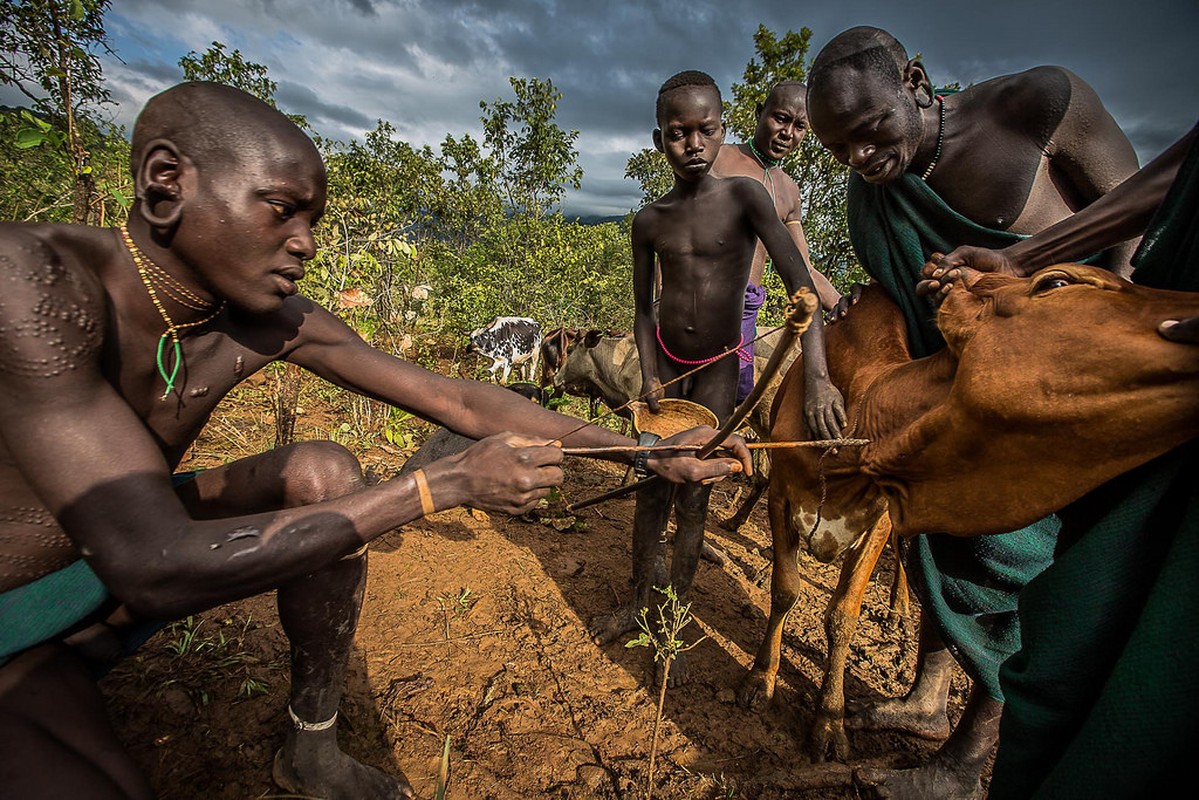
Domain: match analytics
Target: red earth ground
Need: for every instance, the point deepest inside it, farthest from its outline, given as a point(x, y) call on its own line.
point(474, 628)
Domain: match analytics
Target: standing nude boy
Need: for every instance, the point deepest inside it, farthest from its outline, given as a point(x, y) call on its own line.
point(703, 233)
point(115, 347)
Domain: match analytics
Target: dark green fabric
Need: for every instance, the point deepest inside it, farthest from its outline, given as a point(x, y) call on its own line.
point(1102, 699)
point(53, 604)
point(969, 587)
point(41, 610)
point(894, 228)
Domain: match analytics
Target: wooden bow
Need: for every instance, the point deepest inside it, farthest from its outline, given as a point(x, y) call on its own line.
point(799, 314)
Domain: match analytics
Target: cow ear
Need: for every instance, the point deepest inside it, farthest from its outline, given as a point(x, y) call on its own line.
point(592, 338)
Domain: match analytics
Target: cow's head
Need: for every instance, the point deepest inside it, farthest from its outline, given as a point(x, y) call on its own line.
point(1050, 386)
point(555, 346)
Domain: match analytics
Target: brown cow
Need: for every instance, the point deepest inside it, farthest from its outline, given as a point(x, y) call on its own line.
point(1050, 386)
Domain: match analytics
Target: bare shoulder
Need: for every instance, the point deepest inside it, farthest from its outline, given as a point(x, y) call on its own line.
point(646, 220)
point(1032, 103)
point(731, 160)
point(746, 190)
point(52, 304)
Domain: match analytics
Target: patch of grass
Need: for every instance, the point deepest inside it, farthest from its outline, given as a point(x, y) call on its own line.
point(459, 605)
point(205, 654)
point(662, 637)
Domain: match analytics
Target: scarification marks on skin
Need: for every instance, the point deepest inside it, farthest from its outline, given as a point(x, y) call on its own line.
point(53, 334)
point(31, 544)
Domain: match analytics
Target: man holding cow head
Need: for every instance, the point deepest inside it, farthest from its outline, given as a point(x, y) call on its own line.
point(983, 166)
point(1101, 697)
point(782, 123)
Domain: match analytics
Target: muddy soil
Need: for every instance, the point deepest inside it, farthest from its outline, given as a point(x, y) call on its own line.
point(474, 628)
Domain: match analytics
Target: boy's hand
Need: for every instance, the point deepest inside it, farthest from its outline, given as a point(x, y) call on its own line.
point(684, 466)
point(651, 393)
point(842, 307)
point(505, 472)
point(824, 409)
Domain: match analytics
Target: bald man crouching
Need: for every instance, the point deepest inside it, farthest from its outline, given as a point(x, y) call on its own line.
point(115, 347)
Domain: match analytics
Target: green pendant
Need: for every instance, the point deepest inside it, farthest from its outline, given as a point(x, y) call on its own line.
point(162, 370)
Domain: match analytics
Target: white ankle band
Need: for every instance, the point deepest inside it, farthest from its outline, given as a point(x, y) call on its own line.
point(301, 725)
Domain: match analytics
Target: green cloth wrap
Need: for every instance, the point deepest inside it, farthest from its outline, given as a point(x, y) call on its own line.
point(52, 605)
point(968, 586)
point(39, 611)
point(1102, 699)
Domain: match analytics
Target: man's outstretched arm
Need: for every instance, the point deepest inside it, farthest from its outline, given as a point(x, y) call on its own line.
point(1121, 214)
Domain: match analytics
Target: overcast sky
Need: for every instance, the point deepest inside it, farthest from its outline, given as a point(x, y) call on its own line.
point(425, 65)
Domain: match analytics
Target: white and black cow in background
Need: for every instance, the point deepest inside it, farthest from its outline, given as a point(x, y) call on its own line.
point(509, 342)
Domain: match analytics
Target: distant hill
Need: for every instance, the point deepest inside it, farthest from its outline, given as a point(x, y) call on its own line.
point(595, 219)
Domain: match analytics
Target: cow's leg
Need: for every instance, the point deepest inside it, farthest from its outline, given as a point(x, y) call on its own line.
point(922, 712)
point(955, 770)
point(691, 511)
point(507, 371)
point(900, 605)
point(758, 485)
point(535, 362)
point(840, 622)
point(649, 562)
point(757, 688)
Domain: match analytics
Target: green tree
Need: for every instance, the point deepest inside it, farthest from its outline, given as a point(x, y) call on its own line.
point(535, 159)
point(38, 186)
point(651, 171)
point(471, 200)
point(49, 51)
point(231, 69)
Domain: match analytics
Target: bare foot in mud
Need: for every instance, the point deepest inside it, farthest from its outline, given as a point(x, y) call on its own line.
point(310, 764)
point(936, 780)
point(678, 672)
point(610, 627)
point(901, 715)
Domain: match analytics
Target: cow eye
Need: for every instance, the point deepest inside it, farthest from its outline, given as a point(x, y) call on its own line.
point(1050, 282)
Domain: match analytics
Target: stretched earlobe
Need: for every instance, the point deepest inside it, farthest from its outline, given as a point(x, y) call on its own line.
point(156, 184)
point(916, 79)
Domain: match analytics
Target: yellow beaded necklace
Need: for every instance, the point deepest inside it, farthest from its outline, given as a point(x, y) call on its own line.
point(152, 274)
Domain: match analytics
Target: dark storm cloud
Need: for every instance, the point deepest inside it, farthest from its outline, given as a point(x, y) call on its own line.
point(298, 99)
point(425, 65)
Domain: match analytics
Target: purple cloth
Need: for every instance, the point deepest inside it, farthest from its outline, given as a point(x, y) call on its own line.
point(755, 296)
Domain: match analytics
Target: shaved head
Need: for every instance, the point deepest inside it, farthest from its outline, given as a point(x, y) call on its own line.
point(216, 126)
point(684, 80)
point(786, 89)
point(863, 49)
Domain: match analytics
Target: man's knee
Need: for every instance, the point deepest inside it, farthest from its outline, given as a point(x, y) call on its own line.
point(318, 471)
